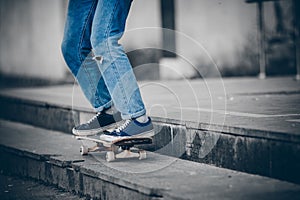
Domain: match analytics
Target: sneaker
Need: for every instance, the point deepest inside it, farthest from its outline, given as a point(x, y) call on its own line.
point(99, 123)
point(131, 128)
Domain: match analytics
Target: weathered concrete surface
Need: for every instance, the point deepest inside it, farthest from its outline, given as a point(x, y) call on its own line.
point(53, 157)
point(242, 106)
point(20, 189)
point(243, 124)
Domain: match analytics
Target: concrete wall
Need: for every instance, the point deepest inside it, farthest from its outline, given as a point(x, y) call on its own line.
point(225, 29)
point(31, 33)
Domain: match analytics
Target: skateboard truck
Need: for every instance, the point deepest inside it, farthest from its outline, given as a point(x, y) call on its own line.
point(121, 148)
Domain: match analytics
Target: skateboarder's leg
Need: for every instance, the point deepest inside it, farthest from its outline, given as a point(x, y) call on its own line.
point(107, 29)
point(77, 51)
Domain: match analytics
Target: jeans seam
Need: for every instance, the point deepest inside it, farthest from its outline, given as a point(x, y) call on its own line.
point(80, 57)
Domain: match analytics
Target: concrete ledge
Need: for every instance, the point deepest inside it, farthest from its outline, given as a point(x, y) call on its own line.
point(266, 153)
point(57, 161)
point(63, 117)
point(38, 113)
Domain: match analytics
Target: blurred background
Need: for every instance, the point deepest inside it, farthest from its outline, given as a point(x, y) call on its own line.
point(240, 36)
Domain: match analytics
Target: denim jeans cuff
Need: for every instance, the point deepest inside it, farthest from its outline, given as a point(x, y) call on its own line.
point(134, 115)
point(107, 105)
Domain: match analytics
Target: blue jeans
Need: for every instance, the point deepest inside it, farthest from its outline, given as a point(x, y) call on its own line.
point(92, 52)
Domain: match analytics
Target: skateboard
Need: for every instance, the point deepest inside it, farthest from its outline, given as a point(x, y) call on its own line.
point(119, 148)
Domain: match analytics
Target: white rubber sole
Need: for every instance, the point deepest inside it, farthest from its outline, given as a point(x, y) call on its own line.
point(95, 131)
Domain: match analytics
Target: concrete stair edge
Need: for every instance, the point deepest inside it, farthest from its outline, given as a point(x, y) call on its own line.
point(93, 179)
point(274, 155)
point(76, 111)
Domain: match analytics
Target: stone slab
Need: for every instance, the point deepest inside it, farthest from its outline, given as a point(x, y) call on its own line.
point(157, 177)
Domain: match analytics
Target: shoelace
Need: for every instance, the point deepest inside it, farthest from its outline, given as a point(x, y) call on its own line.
point(123, 126)
point(93, 118)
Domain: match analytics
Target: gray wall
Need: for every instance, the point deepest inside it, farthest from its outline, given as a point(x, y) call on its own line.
point(31, 33)
point(224, 30)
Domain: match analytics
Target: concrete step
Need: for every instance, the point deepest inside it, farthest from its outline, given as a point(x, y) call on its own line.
point(53, 158)
point(12, 187)
point(263, 145)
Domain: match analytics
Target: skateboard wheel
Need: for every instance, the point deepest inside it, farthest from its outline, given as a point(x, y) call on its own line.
point(110, 156)
point(84, 150)
point(142, 155)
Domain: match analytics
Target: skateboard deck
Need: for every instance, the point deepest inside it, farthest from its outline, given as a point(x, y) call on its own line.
point(113, 147)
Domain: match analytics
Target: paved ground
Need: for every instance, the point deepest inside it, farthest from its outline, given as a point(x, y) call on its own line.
point(270, 105)
point(25, 189)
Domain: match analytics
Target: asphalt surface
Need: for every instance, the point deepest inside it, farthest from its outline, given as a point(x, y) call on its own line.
point(22, 189)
